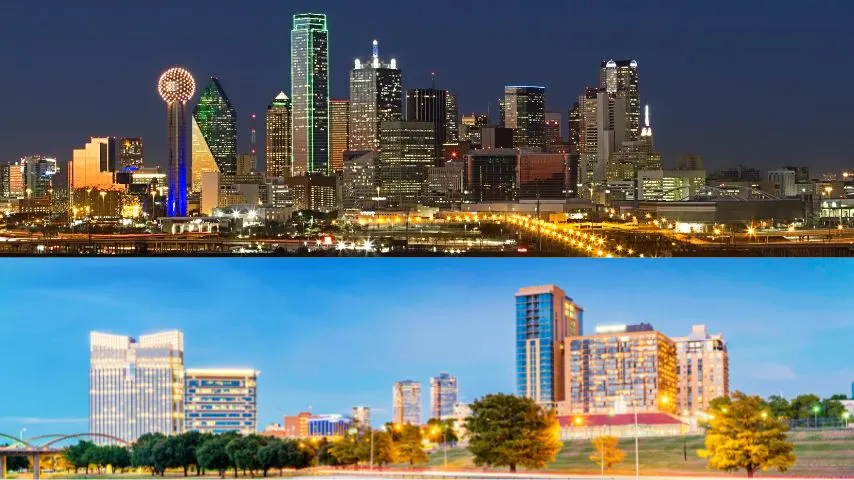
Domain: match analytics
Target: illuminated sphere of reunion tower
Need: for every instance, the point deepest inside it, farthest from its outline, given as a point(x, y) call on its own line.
point(176, 86)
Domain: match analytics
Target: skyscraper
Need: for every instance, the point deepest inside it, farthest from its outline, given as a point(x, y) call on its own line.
point(443, 396)
point(574, 126)
point(620, 78)
point(406, 402)
point(89, 166)
point(554, 140)
point(438, 107)
point(136, 386)
point(221, 400)
point(176, 86)
point(278, 137)
point(37, 172)
point(375, 97)
point(702, 369)
point(620, 368)
point(131, 153)
point(470, 128)
point(339, 132)
point(406, 151)
point(525, 113)
point(214, 134)
point(310, 94)
point(603, 129)
point(545, 316)
point(11, 181)
point(362, 416)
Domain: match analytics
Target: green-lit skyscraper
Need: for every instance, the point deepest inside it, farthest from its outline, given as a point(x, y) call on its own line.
point(310, 94)
point(217, 123)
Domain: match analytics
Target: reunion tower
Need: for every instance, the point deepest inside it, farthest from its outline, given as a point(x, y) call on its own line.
point(176, 87)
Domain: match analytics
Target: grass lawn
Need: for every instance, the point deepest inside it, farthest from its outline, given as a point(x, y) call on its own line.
point(819, 454)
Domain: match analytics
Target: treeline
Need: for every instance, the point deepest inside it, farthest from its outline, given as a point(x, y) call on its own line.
point(252, 454)
point(807, 406)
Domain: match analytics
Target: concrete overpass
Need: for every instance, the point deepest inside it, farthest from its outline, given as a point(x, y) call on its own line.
point(40, 446)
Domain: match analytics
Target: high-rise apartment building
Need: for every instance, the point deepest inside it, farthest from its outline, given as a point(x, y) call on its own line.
point(214, 134)
point(90, 166)
point(525, 113)
point(437, 107)
point(310, 94)
point(136, 386)
point(620, 369)
point(406, 402)
point(702, 370)
point(545, 317)
point(362, 416)
point(221, 400)
point(375, 97)
point(620, 79)
point(406, 151)
point(278, 137)
point(443, 396)
point(131, 153)
point(339, 132)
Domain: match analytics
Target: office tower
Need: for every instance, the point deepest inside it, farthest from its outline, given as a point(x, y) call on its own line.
point(620, 79)
point(542, 175)
point(37, 172)
point(438, 107)
point(214, 134)
point(314, 192)
point(496, 137)
point(406, 151)
point(695, 162)
point(574, 126)
point(443, 396)
point(470, 128)
point(324, 426)
point(634, 155)
point(89, 166)
point(136, 386)
point(491, 175)
point(452, 118)
point(552, 129)
point(618, 369)
point(406, 402)
point(339, 132)
point(362, 416)
point(247, 164)
point(11, 181)
point(310, 94)
point(278, 137)
point(359, 180)
point(375, 97)
point(669, 185)
point(221, 400)
point(176, 87)
point(446, 184)
point(702, 370)
point(131, 153)
point(545, 316)
point(603, 129)
point(525, 113)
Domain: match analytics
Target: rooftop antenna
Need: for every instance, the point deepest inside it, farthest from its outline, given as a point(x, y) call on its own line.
point(375, 57)
point(433, 79)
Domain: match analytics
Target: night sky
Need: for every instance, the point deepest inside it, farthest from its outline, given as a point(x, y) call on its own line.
point(763, 83)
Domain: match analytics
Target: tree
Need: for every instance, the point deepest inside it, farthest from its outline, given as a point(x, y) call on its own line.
point(832, 407)
point(273, 455)
point(77, 455)
point(802, 406)
point(211, 454)
point(742, 434)
point(346, 450)
point(505, 430)
point(243, 452)
point(325, 456)
point(383, 448)
point(410, 447)
point(607, 451)
point(17, 463)
point(184, 449)
point(435, 429)
point(162, 455)
point(780, 407)
point(143, 451)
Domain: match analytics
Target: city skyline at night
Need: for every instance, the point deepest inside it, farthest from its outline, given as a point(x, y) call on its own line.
point(436, 316)
point(677, 48)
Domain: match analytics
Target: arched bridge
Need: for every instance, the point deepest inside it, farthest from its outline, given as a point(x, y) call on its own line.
point(42, 445)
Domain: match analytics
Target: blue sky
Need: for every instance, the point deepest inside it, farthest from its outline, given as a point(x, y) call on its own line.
point(333, 333)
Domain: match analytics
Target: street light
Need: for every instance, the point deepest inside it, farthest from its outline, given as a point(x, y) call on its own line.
point(436, 430)
point(815, 410)
point(845, 416)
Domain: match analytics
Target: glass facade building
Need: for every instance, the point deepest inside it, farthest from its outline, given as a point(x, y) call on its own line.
point(619, 369)
point(329, 425)
point(214, 134)
point(525, 113)
point(406, 402)
point(375, 97)
point(491, 175)
point(278, 137)
point(434, 106)
point(443, 396)
point(310, 94)
point(131, 153)
point(620, 79)
point(406, 152)
point(545, 317)
point(543, 176)
point(220, 400)
point(136, 386)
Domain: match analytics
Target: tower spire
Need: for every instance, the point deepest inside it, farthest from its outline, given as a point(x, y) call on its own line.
point(433, 80)
point(646, 131)
point(375, 56)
